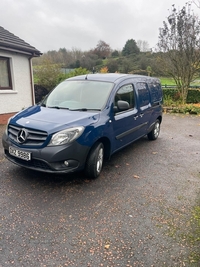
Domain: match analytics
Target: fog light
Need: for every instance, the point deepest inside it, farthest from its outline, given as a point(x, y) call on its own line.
point(66, 163)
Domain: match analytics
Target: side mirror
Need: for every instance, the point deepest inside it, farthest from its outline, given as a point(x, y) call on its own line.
point(121, 106)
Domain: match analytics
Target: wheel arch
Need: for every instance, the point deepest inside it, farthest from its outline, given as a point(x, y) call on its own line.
point(160, 118)
point(107, 147)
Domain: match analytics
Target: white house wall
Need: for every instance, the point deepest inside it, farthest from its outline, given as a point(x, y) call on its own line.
point(21, 95)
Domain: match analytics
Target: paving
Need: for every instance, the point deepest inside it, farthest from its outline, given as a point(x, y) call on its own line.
point(137, 213)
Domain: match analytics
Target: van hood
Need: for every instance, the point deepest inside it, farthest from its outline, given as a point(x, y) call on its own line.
point(51, 120)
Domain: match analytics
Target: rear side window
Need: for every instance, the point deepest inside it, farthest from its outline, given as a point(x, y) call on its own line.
point(156, 92)
point(143, 94)
point(126, 93)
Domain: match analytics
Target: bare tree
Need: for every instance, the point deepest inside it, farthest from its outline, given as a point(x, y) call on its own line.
point(143, 46)
point(179, 44)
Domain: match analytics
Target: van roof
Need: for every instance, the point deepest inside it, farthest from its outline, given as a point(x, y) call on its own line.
point(112, 77)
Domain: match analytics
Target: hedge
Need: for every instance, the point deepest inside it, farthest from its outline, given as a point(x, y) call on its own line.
point(193, 94)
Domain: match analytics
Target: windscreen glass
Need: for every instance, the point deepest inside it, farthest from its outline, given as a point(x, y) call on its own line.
point(79, 95)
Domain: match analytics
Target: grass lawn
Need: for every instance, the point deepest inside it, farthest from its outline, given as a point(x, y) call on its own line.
point(170, 81)
point(167, 81)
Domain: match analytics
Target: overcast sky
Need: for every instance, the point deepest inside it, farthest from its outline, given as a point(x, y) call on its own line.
point(53, 24)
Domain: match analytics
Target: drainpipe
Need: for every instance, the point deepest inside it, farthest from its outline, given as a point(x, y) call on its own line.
point(31, 79)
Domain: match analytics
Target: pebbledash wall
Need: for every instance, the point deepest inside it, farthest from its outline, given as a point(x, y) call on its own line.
point(21, 95)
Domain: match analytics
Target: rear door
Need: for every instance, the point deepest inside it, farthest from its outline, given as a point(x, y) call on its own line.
point(144, 106)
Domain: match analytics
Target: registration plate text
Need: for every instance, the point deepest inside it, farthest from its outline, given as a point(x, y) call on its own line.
point(19, 153)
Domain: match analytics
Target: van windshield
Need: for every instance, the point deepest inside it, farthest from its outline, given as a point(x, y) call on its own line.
point(81, 95)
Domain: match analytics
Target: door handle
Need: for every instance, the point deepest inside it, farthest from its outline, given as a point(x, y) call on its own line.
point(135, 118)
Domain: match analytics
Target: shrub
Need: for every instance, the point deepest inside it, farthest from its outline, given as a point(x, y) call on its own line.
point(40, 92)
point(76, 72)
point(193, 95)
point(47, 74)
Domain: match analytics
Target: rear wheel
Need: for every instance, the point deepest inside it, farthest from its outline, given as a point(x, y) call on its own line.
point(153, 135)
point(94, 162)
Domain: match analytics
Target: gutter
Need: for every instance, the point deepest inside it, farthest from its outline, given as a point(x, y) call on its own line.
point(24, 49)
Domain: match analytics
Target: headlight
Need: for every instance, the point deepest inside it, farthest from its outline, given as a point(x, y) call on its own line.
point(66, 136)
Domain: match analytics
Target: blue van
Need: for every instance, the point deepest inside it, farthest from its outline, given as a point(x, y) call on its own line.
point(83, 121)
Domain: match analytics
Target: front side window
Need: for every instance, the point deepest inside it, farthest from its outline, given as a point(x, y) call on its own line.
point(126, 93)
point(5, 76)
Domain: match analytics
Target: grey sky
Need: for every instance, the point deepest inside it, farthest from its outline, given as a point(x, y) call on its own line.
point(53, 24)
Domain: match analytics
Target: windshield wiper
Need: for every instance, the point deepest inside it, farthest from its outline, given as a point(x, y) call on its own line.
point(79, 109)
point(57, 107)
point(85, 109)
point(54, 107)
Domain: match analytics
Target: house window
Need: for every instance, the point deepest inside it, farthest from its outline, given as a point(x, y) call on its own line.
point(5, 75)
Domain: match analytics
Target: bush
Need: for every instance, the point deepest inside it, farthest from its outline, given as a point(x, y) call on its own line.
point(40, 92)
point(47, 75)
point(193, 95)
point(184, 109)
point(76, 72)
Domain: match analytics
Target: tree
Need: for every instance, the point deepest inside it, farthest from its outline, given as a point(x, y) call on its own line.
point(126, 66)
point(130, 48)
point(89, 60)
point(149, 70)
point(76, 72)
point(102, 49)
point(179, 44)
point(112, 65)
point(115, 53)
point(48, 74)
point(143, 46)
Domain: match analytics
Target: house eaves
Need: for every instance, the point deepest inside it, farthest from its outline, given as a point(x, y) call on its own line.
point(10, 42)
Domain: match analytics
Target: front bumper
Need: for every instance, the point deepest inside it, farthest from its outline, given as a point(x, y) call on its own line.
point(52, 159)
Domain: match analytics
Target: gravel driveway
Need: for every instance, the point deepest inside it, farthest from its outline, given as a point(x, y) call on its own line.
point(137, 213)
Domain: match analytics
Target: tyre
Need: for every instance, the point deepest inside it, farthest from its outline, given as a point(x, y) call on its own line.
point(153, 135)
point(94, 162)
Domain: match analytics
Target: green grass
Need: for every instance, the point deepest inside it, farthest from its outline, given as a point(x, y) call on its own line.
point(170, 81)
point(167, 81)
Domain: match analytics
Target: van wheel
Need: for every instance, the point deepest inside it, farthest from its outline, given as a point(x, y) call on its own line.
point(153, 135)
point(94, 162)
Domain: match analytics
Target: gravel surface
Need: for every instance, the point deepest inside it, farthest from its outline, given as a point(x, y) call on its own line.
point(135, 214)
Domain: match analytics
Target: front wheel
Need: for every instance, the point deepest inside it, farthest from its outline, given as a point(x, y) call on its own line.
point(153, 135)
point(94, 162)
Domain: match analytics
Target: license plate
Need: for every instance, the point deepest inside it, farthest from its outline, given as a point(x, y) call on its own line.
point(19, 153)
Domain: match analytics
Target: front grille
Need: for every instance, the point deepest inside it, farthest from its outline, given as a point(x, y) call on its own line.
point(34, 137)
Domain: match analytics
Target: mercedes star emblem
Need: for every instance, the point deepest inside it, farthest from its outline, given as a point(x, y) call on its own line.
point(22, 136)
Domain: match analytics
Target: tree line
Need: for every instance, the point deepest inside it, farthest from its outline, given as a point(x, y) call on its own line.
point(176, 55)
point(134, 56)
